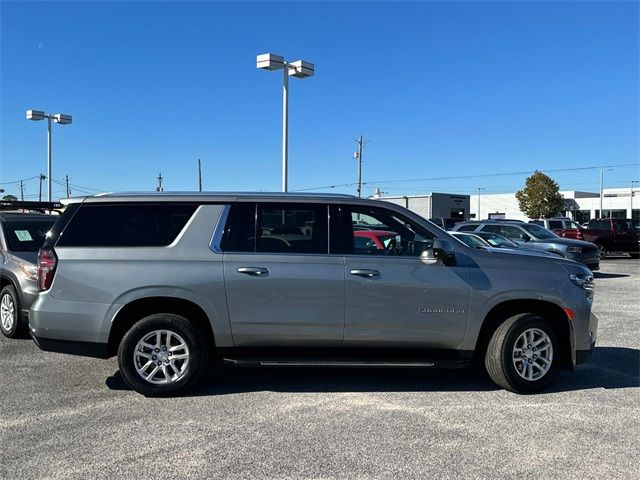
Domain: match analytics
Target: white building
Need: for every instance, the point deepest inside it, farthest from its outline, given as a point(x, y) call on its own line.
point(581, 206)
point(446, 205)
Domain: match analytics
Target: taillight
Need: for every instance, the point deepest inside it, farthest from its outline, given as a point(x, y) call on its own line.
point(46, 268)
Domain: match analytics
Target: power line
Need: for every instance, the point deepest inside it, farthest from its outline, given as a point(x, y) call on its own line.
point(460, 177)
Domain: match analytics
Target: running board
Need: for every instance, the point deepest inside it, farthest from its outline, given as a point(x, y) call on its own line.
point(326, 363)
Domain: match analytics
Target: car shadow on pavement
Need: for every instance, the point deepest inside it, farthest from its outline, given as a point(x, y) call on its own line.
point(610, 275)
point(608, 367)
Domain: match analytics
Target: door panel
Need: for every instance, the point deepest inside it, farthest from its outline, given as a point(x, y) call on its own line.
point(407, 304)
point(299, 301)
point(393, 299)
point(282, 286)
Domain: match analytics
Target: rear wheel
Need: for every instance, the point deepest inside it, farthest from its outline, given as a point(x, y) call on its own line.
point(11, 323)
point(634, 255)
point(523, 354)
point(162, 354)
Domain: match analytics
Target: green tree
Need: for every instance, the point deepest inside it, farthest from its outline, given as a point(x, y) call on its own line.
point(540, 197)
point(10, 198)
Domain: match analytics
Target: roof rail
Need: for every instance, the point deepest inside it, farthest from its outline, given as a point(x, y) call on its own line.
point(31, 206)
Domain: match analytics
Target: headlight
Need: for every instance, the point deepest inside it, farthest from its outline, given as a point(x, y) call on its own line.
point(585, 282)
point(31, 271)
point(575, 249)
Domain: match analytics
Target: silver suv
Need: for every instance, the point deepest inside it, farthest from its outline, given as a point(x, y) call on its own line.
point(21, 236)
point(535, 237)
point(174, 283)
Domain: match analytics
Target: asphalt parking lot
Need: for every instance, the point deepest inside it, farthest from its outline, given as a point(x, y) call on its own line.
point(72, 417)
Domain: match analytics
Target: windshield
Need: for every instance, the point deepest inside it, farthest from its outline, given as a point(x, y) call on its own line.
point(537, 231)
point(27, 235)
point(499, 241)
point(471, 240)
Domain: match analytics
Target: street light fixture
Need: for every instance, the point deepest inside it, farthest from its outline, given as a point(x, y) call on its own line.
point(298, 69)
point(60, 118)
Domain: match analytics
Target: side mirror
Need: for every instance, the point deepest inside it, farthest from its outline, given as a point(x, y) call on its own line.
point(526, 237)
point(427, 257)
point(443, 250)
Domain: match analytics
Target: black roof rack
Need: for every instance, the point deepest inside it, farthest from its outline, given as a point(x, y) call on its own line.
point(31, 206)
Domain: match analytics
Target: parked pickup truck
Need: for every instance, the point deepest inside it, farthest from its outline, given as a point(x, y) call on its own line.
point(614, 235)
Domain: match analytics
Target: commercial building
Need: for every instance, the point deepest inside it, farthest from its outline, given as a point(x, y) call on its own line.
point(432, 204)
point(580, 206)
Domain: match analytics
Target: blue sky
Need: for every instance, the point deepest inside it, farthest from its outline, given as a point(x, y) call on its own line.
point(439, 89)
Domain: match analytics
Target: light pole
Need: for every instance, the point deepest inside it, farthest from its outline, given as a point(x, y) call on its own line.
point(299, 69)
point(479, 190)
point(602, 170)
point(633, 182)
point(60, 118)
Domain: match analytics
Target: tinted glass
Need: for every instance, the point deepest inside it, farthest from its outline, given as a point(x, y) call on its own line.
point(391, 234)
point(466, 228)
point(292, 228)
point(132, 225)
point(514, 233)
point(471, 240)
point(553, 224)
point(537, 231)
point(537, 222)
point(27, 235)
point(491, 228)
point(240, 229)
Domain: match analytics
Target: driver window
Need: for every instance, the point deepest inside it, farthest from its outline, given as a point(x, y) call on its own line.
point(380, 232)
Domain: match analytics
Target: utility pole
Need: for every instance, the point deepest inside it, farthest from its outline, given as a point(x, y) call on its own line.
point(21, 190)
point(66, 179)
point(41, 177)
point(601, 191)
point(633, 182)
point(358, 156)
point(159, 187)
point(199, 175)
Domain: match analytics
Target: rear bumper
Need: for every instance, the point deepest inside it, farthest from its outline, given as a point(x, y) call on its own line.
point(85, 349)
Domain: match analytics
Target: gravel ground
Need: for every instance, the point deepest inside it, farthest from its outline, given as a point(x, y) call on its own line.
point(72, 417)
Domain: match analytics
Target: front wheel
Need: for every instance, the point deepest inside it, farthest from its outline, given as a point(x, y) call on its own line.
point(522, 355)
point(162, 354)
point(602, 250)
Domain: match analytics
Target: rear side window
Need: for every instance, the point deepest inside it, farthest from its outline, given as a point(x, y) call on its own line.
point(132, 225)
point(277, 228)
point(27, 235)
point(554, 224)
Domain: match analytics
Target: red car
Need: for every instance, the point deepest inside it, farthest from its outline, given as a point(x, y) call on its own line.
point(367, 240)
point(563, 227)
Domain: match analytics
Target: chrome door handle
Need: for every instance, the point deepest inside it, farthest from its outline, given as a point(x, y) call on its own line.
point(365, 272)
point(255, 271)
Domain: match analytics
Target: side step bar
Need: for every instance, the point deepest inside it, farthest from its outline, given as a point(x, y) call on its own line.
point(326, 363)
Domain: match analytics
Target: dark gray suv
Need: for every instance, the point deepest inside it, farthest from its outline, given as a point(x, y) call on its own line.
point(535, 237)
point(173, 283)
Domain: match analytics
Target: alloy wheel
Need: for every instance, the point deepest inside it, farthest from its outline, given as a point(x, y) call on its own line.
point(7, 312)
point(161, 357)
point(532, 354)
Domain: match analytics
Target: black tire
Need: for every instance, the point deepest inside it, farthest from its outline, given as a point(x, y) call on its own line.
point(634, 255)
point(192, 336)
point(499, 356)
point(17, 328)
point(602, 250)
